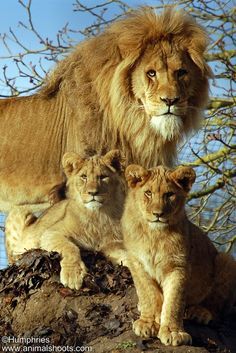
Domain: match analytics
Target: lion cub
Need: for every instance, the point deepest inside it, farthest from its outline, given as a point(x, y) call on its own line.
point(89, 217)
point(173, 263)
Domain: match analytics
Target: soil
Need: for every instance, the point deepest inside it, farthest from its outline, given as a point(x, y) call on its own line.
point(37, 312)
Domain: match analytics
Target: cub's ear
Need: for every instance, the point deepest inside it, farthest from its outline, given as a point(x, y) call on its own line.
point(184, 177)
point(136, 175)
point(114, 159)
point(71, 162)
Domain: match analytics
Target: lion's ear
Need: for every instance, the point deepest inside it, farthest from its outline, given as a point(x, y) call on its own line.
point(136, 175)
point(115, 159)
point(198, 59)
point(196, 46)
point(71, 162)
point(184, 177)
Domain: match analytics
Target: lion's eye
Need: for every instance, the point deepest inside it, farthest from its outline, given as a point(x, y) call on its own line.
point(181, 72)
point(169, 194)
point(102, 177)
point(83, 177)
point(151, 73)
point(148, 193)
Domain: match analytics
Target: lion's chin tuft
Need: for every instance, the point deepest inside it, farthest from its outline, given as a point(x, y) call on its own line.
point(93, 205)
point(157, 225)
point(169, 126)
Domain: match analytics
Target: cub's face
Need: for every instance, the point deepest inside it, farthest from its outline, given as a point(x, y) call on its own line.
point(93, 181)
point(167, 83)
point(160, 201)
point(159, 193)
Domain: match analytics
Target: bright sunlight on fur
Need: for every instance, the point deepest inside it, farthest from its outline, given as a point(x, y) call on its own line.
point(89, 217)
point(175, 267)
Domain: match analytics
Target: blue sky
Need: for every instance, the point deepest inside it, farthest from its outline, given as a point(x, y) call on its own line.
point(49, 16)
point(49, 12)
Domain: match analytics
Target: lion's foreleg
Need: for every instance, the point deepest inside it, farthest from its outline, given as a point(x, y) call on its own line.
point(171, 330)
point(149, 301)
point(73, 269)
point(19, 218)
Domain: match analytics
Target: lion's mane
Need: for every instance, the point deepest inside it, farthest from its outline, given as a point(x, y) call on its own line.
point(99, 72)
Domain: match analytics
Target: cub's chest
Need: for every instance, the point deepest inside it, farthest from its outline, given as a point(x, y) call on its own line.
point(100, 228)
point(152, 260)
point(159, 257)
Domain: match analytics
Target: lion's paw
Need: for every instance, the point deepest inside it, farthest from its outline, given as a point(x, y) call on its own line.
point(145, 328)
point(199, 314)
point(173, 338)
point(30, 219)
point(72, 275)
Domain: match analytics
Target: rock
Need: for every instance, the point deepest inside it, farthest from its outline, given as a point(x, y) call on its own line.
point(36, 310)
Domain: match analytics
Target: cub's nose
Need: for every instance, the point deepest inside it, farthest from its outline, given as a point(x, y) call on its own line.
point(169, 101)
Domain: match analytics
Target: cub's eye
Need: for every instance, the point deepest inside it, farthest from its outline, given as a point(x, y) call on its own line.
point(181, 72)
point(83, 177)
point(169, 194)
point(102, 177)
point(148, 193)
point(151, 73)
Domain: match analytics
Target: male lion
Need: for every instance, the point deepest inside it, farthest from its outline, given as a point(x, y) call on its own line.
point(139, 86)
point(173, 263)
point(89, 217)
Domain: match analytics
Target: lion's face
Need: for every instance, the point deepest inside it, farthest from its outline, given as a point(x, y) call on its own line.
point(93, 181)
point(160, 193)
point(164, 82)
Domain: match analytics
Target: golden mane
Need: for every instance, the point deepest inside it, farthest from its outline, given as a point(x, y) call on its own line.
point(129, 36)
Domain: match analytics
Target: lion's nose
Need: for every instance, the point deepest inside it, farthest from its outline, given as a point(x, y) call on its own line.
point(169, 101)
point(93, 192)
point(158, 213)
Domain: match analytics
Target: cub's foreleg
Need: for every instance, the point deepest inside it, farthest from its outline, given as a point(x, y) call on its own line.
point(149, 301)
point(171, 330)
point(73, 269)
point(115, 252)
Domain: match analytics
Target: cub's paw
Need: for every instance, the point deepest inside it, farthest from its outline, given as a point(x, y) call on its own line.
point(199, 314)
point(145, 328)
point(72, 275)
point(173, 338)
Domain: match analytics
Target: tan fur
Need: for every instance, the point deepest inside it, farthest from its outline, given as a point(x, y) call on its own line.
point(173, 263)
point(100, 97)
point(88, 218)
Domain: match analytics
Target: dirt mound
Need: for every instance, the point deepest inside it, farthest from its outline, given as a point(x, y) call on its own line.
point(36, 310)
